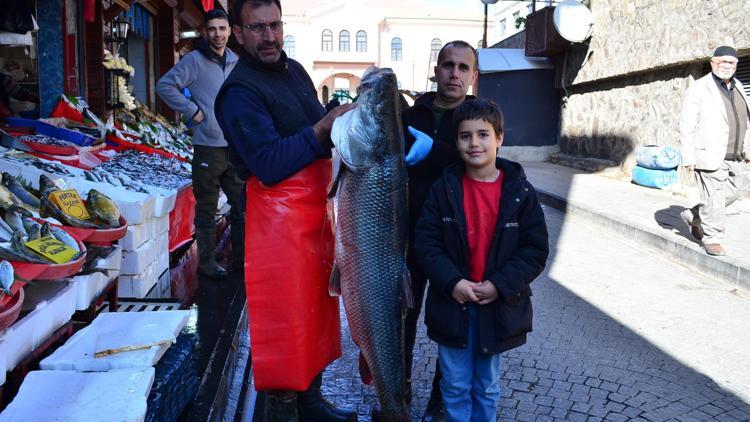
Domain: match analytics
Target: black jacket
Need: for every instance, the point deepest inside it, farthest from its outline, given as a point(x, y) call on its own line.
point(267, 112)
point(443, 153)
point(517, 256)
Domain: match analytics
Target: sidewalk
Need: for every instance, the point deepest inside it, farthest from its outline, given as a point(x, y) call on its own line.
point(649, 217)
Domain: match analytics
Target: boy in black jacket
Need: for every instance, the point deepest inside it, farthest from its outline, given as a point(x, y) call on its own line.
point(481, 239)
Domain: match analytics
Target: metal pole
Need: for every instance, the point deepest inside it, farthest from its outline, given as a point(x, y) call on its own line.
point(484, 38)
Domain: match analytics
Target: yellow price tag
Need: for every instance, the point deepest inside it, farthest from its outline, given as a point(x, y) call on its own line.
point(70, 203)
point(52, 249)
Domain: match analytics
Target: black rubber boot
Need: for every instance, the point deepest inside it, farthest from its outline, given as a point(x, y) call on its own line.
point(238, 247)
point(280, 406)
point(313, 407)
point(205, 235)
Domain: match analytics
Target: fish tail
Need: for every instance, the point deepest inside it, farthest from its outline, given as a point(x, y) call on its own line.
point(334, 284)
point(407, 298)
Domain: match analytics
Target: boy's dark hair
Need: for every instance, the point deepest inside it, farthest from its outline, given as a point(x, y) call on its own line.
point(457, 44)
point(215, 14)
point(239, 4)
point(479, 109)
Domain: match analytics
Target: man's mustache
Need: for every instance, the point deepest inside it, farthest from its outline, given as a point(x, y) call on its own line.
point(269, 45)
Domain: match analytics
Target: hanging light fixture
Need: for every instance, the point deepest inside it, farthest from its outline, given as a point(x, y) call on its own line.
point(119, 30)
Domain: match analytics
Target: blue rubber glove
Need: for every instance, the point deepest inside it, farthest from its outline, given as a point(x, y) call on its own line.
point(421, 147)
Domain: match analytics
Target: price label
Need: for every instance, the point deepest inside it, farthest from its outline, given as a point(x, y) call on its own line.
point(52, 249)
point(70, 203)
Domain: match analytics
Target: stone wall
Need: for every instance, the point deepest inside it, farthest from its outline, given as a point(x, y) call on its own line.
point(625, 85)
point(637, 35)
point(610, 119)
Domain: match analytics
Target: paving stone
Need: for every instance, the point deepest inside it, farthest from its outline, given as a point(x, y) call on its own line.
point(544, 400)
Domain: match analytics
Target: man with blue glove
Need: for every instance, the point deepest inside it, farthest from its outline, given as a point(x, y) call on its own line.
point(431, 144)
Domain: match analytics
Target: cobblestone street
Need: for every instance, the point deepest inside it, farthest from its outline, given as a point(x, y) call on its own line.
point(619, 334)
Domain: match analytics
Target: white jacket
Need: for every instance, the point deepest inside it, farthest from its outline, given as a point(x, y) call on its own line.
point(704, 127)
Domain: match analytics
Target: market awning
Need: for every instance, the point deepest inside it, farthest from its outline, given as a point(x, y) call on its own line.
point(494, 60)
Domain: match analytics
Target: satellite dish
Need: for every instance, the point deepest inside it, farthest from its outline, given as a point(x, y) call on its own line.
point(573, 20)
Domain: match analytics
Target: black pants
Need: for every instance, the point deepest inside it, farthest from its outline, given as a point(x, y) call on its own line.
point(212, 172)
point(418, 287)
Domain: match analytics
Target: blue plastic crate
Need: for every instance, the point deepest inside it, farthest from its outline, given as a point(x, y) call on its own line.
point(77, 138)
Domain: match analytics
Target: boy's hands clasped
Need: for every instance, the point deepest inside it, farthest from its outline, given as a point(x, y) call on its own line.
point(479, 293)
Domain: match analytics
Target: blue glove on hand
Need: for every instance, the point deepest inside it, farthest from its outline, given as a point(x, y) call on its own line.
point(421, 147)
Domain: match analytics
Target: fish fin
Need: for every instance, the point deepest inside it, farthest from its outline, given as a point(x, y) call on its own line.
point(364, 370)
point(334, 283)
point(336, 181)
point(407, 299)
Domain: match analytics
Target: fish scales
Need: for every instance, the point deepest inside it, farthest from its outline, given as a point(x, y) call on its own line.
point(371, 235)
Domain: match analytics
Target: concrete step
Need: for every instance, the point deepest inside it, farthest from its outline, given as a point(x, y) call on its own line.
point(645, 216)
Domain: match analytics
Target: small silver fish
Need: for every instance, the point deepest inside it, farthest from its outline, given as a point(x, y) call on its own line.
point(7, 276)
point(64, 237)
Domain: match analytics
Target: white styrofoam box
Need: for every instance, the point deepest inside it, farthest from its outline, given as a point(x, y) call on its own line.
point(136, 286)
point(165, 285)
point(91, 397)
point(31, 173)
point(135, 262)
point(161, 263)
point(162, 289)
point(161, 225)
point(136, 207)
point(3, 358)
point(52, 304)
point(117, 330)
point(136, 236)
point(88, 287)
point(91, 285)
point(165, 202)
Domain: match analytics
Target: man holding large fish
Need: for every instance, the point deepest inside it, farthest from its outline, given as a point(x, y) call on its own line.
point(280, 142)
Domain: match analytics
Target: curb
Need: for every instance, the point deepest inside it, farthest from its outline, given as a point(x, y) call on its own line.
point(722, 268)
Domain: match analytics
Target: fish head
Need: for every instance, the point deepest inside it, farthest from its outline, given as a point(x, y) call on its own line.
point(46, 184)
point(7, 276)
point(371, 132)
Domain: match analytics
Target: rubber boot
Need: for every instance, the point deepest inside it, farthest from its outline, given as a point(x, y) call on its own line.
point(238, 247)
point(314, 408)
point(280, 406)
point(205, 235)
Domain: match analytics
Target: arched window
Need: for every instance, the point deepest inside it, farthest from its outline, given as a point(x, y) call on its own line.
point(435, 46)
point(344, 40)
point(479, 44)
point(361, 41)
point(396, 46)
point(289, 46)
point(325, 94)
point(327, 40)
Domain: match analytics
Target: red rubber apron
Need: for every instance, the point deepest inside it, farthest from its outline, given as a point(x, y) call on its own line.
point(294, 324)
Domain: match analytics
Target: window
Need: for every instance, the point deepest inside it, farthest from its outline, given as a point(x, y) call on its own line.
point(396, 49)
point(289, 46)
point(435, 46)
point(325, 94)
point(361, 41)
point(516, 15)
point(530, 9)
point(503, 26)
point(344, 40)
point(327, 40)
point(433, 86)
point(479, 44)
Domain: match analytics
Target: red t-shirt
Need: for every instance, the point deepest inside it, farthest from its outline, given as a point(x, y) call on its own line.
point(481, 205)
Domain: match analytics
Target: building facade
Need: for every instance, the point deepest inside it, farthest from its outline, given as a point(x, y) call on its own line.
point(336, 41)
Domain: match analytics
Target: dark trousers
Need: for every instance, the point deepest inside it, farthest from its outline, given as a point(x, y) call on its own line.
point(212, 172)
point(418, 287)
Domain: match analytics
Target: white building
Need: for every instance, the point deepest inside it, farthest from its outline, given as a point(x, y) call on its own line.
point(337, 40)
point(506, 13)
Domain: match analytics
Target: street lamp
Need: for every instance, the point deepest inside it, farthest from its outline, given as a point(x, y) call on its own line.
point(119, 30)
point(484, 37)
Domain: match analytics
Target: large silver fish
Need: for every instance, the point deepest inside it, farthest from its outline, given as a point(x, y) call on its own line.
point(371, 230)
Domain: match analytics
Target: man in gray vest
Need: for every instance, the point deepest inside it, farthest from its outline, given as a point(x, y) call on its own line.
point(715, 146)
point(203, 71)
